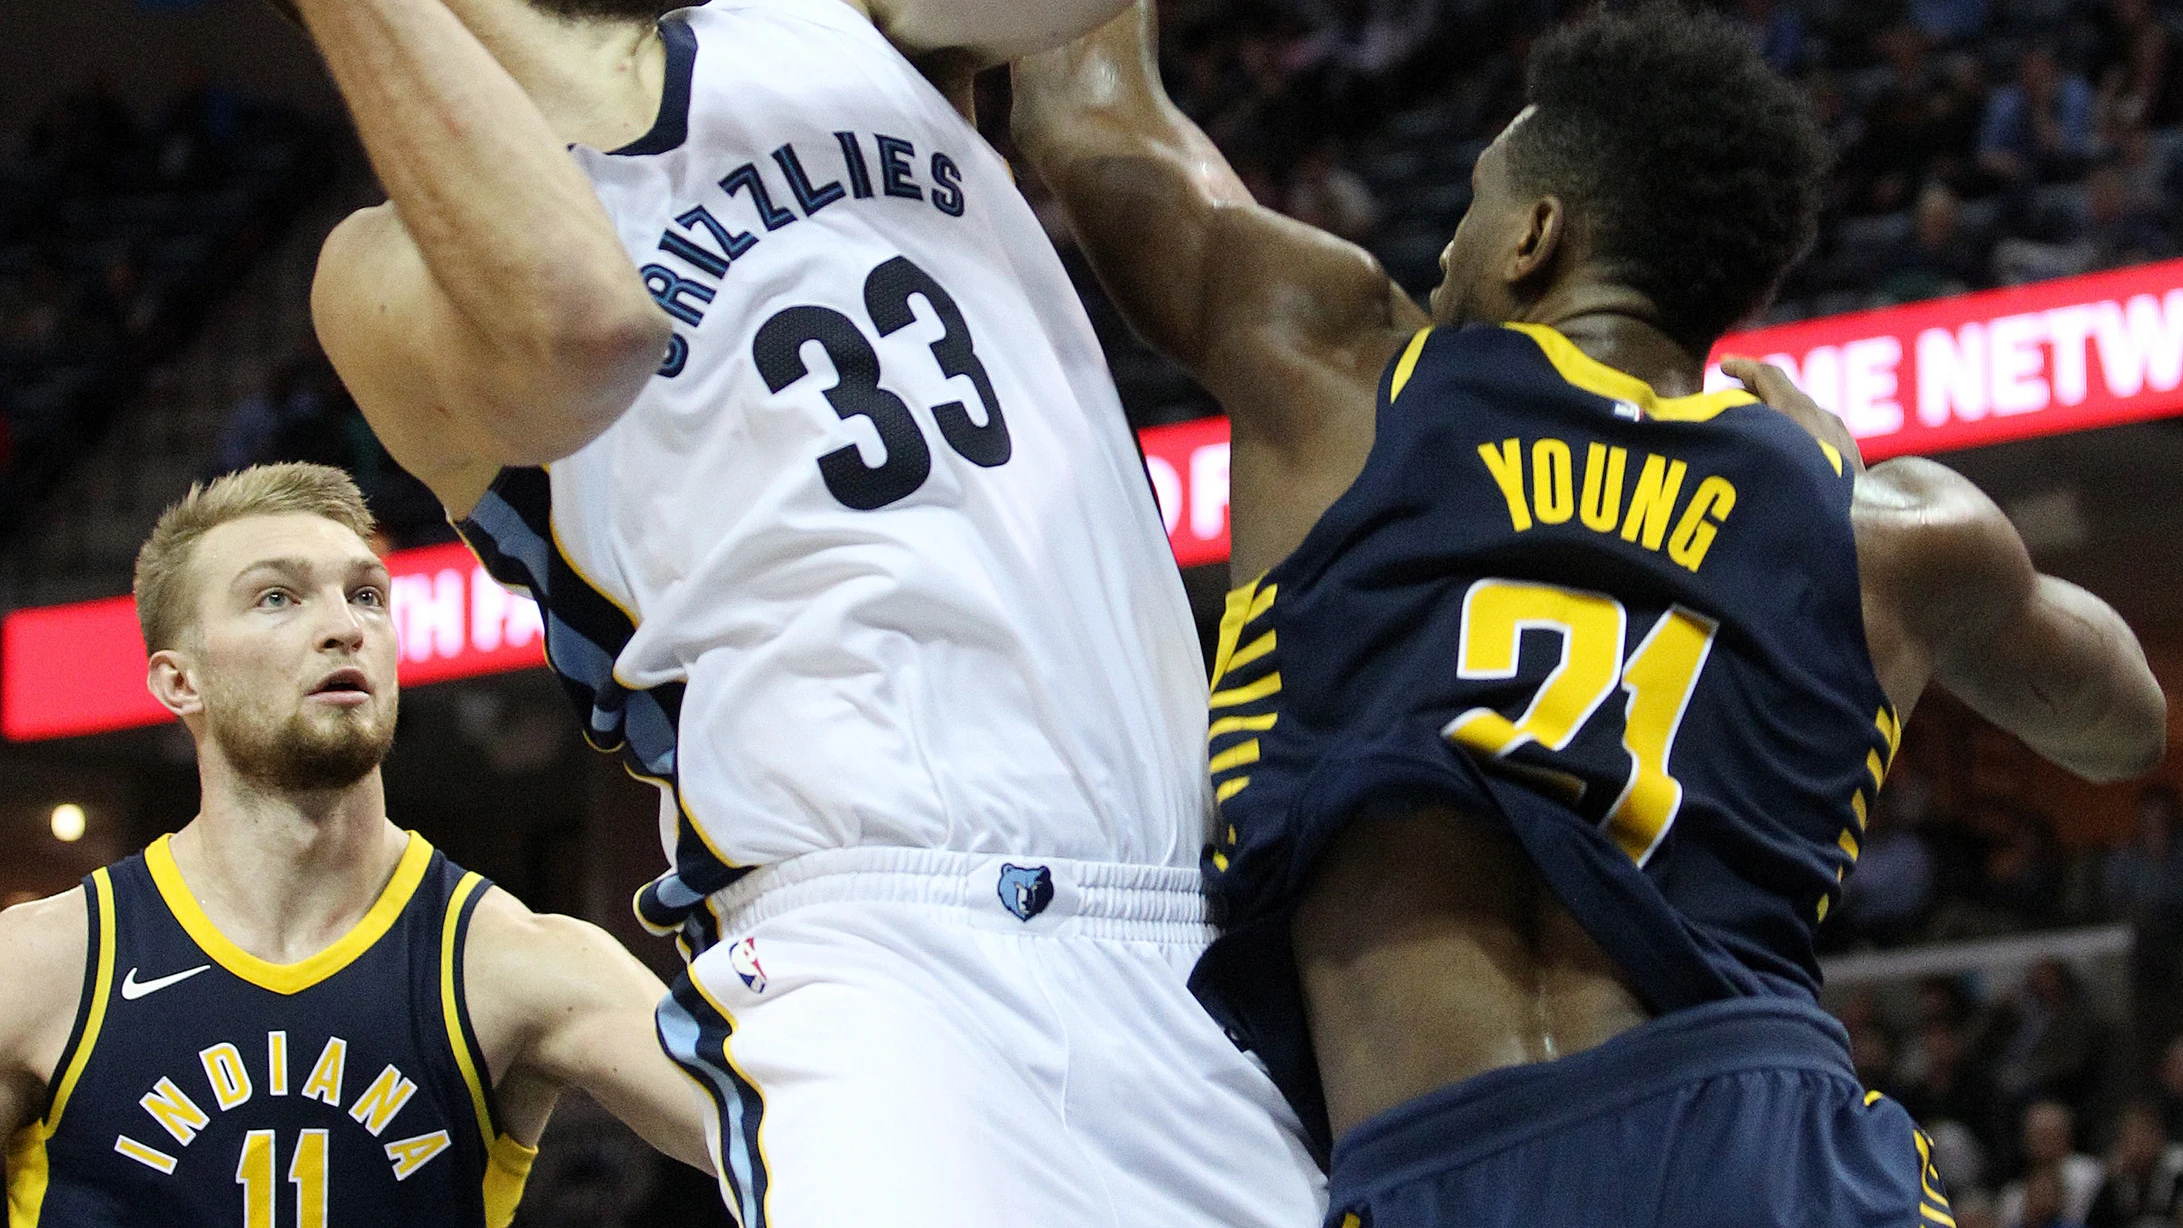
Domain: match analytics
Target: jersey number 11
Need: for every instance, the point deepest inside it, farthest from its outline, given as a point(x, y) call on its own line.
point(306, 1171)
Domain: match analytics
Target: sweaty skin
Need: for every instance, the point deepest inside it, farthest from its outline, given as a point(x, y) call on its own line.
point(1452, 959)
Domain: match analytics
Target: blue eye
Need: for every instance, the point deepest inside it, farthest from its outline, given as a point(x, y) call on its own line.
point(276, 599)
point(371, 597)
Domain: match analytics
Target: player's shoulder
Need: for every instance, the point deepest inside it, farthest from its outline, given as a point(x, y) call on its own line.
point(1914, 501)
point(525, 960)
point(43, 947)
point(1933, 538)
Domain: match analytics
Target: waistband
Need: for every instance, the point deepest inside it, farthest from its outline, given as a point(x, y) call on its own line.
point(1455, 1125)
point(1011, 893)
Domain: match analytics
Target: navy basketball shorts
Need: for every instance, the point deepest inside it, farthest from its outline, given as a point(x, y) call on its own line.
point(1741, 1114)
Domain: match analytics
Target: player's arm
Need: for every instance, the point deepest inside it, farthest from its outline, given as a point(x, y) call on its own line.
point(558, 1003)
point(488, 314)
point(994, 31)
point(1265, 311)
point(43, 945)
point(1960, 602)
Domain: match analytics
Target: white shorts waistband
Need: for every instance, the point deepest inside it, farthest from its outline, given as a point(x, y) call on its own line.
point(1009, 892)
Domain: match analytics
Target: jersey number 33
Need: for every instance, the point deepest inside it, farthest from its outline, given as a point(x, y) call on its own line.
point(778, 351)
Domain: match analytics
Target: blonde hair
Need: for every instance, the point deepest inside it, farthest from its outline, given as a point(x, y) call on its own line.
point(163, 592)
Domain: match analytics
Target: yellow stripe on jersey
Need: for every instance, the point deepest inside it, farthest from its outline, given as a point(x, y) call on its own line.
point(296, 977)
point(1242, 724)
point(1407, 367)
point(1833, 455)
point(1251, 652)
point(1594, 376)
point(1890, 728)
point(1229, 788)
point(28, 1167)
point(1249, 691)
point(451, 1009)
point(1236, 756)
point(101, 993)
point(507, 1169)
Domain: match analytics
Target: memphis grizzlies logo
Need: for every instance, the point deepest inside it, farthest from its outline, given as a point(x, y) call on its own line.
point(1026, 890)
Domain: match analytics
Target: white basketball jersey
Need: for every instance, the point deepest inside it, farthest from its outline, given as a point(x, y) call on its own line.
point(873, 559)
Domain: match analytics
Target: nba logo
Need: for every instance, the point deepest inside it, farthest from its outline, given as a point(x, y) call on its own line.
point(743, 957)
point(1026, 890)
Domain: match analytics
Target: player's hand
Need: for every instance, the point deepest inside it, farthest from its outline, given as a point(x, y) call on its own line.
point(1772, 385)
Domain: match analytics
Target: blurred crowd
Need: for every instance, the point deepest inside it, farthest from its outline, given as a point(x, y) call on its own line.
point(2037, 1098)
point(2035, 1113)
point(116, 231)
point(1978, 143)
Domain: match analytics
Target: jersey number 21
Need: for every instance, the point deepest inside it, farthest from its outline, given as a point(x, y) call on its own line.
point(1659, 675)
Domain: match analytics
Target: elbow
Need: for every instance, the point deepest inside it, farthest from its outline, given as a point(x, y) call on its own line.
point(2135, 738)
point(2144, 745)
point(570, 381)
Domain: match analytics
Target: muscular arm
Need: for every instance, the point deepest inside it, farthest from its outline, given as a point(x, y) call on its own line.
point(42, 948)
point(1952, 595)
point(557, 1003)
point(994, 31)
point(1288, 326)
point(488, 314)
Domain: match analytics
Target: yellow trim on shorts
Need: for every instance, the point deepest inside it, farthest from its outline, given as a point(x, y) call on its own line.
point(727, 1054)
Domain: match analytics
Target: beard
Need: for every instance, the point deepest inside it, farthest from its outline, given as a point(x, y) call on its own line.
point(306, 752)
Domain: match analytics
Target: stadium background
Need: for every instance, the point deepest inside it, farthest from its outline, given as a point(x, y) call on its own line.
point(2012, 938)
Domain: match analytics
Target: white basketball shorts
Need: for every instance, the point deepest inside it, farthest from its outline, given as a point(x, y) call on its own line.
point(923, 1039)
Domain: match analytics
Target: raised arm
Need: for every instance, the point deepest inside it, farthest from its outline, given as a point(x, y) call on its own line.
point(1951, 595)
point(558, 1003)
point(1202, 272)
point(993, 31)
point(488, 314)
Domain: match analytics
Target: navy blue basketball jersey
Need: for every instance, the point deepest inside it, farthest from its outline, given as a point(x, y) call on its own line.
point(1627, 627)
point(203, 1087)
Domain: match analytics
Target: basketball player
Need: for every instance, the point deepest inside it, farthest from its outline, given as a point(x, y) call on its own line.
point(292, 1002)
point(775, 395)
point(1546, 725)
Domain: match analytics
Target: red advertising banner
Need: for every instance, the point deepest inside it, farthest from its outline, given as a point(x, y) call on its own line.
point(1188, 464)
point(1985, 368)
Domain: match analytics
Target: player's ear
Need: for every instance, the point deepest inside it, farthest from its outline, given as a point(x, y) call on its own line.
point(171, 682)
point(1546, 224)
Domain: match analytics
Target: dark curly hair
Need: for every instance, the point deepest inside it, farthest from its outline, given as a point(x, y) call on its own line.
point(1690, 170)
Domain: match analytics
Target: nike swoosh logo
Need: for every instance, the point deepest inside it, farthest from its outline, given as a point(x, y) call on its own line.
point(132, 988)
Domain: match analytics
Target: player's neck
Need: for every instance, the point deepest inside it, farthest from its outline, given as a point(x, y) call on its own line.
point(598, 83)
point(285, 875)
point(1613, 325)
